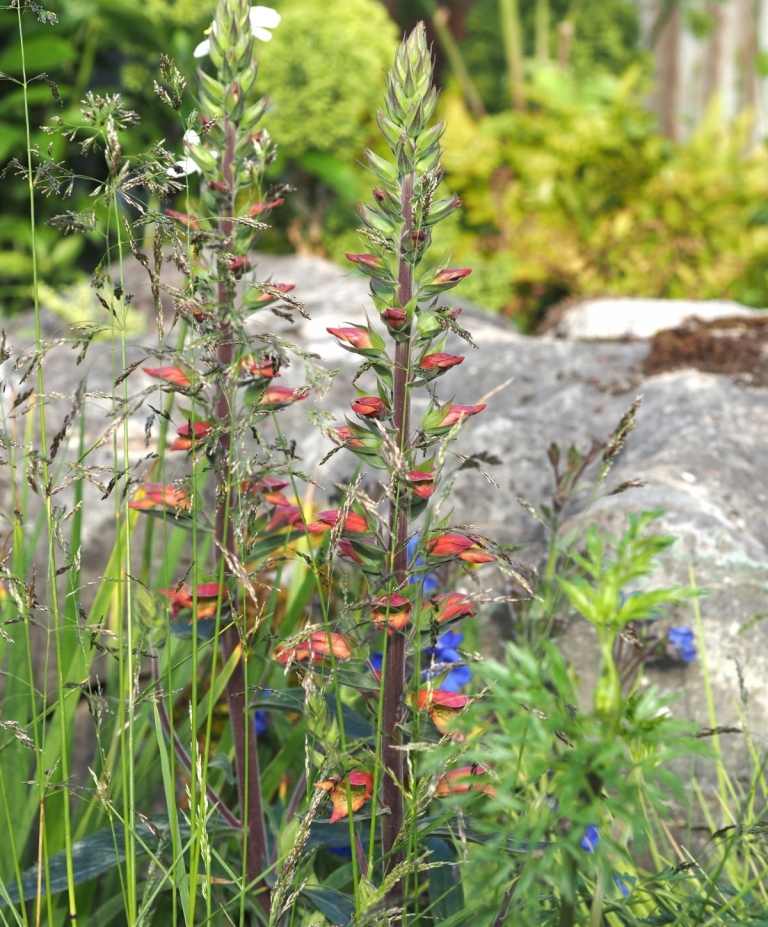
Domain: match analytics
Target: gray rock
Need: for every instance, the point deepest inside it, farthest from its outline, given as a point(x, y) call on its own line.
point(625, 317)
point(697, 448)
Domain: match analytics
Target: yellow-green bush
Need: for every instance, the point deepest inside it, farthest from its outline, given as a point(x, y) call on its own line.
point(581, 196)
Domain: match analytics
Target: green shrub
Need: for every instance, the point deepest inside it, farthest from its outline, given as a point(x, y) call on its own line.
point(581, 196)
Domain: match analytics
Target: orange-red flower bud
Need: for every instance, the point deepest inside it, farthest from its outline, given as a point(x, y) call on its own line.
point(458, 545)
point(442, 707)
point(395, 318)
point(370, 407)
point(183, 597)
point(392, 612)
point(353, 336)
point(258, 208)
point(453, 606)
point(277, 397)
point(364, 260)
point(316, 647)
point(457, 413)
point(265, 369)
point(440, 361)
point(353, 523)
point(277, 287)
point(190, 221)
point(173, 375)
point(464, 779)
point(422, 482)
point(189, 436)
point(348, 794)
point(452, 275)
point(159, 496)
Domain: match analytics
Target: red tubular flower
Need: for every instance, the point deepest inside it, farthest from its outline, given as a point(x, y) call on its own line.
point(453, 606)
point(346, 436)
point(264, 369)
point(239, 264)
point(348, 794)
point(277, 397)
point(458, 545)
point(173, 375)
point(440, 361)
point(347, 550)
point(396, 319)
point(279, 288)
point(451, 275)
point(364, 260)
point(457, 413)
point(159, 496)
point(316, 647)
point(190, 221)
point(207, 598)
point(356, 337)
point(189, 436)
point(422, 482)
point(266, 484)
point(353, 523)
point(370, 407)
point(258, 208)
point(285, 516)
point(391, 611)
point(442, 707)
point(464, 779)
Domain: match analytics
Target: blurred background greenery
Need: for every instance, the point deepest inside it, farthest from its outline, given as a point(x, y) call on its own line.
point(600, 148)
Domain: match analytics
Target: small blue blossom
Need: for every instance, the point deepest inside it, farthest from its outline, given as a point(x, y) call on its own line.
point(260, 721)
point(682, 643)
point(429, 581)
point(376, 660)
point(590, 839)
point(621, 883)
point(446, 652)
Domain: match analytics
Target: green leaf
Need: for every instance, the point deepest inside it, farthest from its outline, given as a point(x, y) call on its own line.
point(446, 892)
point(41, 52)
point(337, 908)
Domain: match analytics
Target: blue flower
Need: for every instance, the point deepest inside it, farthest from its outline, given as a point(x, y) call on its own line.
point(429, 581)
point(621, 883)
point(590, 839)
point(682, 643)
point(445, 652)
point(260, 722)
point(376, 660)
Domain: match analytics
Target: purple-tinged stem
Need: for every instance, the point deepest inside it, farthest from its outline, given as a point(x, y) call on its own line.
point(245, 740)
point(394, 679)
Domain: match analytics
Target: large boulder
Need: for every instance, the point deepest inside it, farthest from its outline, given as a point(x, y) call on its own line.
point(697, 448)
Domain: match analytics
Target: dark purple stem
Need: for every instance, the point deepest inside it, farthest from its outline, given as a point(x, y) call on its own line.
point(394, 680)
point(245, 740)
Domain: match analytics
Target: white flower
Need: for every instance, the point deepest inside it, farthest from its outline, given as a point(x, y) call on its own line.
point(183, 168)
point(186, 165)
point(262, 20)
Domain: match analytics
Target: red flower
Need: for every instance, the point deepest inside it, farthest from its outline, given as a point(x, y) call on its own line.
point(395, 318)
point(267, 484)
point(370, 407)
point(154, 496)
point(346, 436)
point(258, 208)
point(188, 436)
point(440, 361)
point(451, 275)
point(354, 336)
point(457, 413)
point(348, 794)
point(190, 221)
point(278, 287)
point(443, 707)
point(285, 516)
point(265, 368)
point(207, 598)
point(353, 523)
point(347, 550)
point(391, 611)
point(458, 545)
point(422, 482)
point(173, 375)
point(364, 260)
point(315, 648)
point(453, 606)
point(464, 779)
point(277, 397)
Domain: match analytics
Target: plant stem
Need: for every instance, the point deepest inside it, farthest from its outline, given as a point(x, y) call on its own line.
point(394, 680)
point(513, 49)
point(246, 745)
